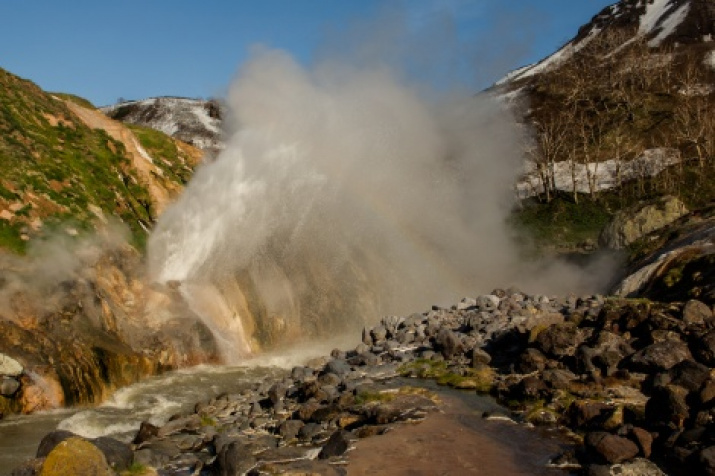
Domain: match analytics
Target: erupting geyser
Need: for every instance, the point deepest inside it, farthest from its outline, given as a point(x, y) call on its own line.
point(344, 194)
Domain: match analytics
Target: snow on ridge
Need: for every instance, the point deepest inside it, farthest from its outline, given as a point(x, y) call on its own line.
point(561, 55)
point(671, 22)
point(653, 14)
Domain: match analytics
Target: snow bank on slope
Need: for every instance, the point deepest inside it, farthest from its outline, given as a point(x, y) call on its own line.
point(604, 175)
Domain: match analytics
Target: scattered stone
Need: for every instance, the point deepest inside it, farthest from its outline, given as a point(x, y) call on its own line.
point(9, 386)
point(609, 448)
point(234, 458)
point(696, 312)
point(448, 343)
point(9, 366)
point(336, 445)
point(660, 356)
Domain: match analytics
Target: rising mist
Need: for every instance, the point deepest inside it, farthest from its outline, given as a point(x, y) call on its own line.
point(346, 193)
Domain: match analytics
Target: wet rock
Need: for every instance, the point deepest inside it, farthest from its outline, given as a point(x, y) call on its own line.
point(559, 379)
point(309, 431)
point(448, 343)
point(330, 379)
point(689, 374)
point(660, 356)
point(146, 432)
point(706, 458)
point(707, 394)
point(643, 439)
point(466, 303)
point(188, 423)
point(532, 360)
point(378, 334)
point(8, 386)
point(338, 367)
point(480, 358)
point(30, 467)
point(52, 439)
point(589, 414)
point(608, 448)
point(487, 302)
point(119, 455)
point(637, 467)
point(234, 458)
point(529, 388)
point(337, 444)
point(156, 453)
point(667, 406)
point(696, 312)
point(705, 349)
point(559, 340)
point(75, 456)
point(277, 392)
point(289, 429)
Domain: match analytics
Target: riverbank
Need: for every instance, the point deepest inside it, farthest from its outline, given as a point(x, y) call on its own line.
point(631, 378)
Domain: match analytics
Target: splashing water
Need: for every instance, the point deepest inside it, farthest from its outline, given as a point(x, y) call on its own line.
point(343, 195)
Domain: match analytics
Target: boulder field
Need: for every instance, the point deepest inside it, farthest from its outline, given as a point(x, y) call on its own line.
point(632, 379)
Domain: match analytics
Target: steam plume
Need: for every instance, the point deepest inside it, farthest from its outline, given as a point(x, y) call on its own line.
point(344, 193)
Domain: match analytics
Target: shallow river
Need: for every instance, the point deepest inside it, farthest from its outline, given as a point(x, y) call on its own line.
point(157, 398)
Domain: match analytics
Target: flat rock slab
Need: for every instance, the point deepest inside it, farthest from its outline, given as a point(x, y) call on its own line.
point(438, 445)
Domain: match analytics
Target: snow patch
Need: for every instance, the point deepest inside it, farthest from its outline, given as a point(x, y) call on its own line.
point(710, 59)
point(653, 13)
point(568, 175)
point(671, 22)
point(142, 151)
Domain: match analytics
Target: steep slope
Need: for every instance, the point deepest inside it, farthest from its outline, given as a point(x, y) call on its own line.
point(193, 121)
point(624, 112)
point(76, 317)
point(65, 166)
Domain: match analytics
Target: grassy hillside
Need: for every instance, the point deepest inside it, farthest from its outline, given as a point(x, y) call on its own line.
point(58, 174)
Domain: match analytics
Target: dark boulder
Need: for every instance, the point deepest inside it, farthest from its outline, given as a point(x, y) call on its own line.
point(530, 388)
point(336, 445)
point(706, 458)
point(559, 340)
point(608, 448)
point(696, 312)
point(289, 429)
point(667, 406)
point(531, 360)
point(234, 458)
point(448, 343)
point(589, 414)
point(704, 348)
point(559, 379)
point(119, 455)
point(50, 440)
point(338, 367)
point(480, 357)
point(659, 356)
point(689, 374)
point(643, 439)
point(146, 432)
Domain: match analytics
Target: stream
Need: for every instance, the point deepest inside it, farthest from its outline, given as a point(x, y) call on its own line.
point(158, 398)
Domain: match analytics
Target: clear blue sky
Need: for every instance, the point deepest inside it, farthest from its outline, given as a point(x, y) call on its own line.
point(103, 50)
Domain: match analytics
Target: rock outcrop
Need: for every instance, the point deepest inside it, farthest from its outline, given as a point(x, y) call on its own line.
point(633, 377)
point(631, 224)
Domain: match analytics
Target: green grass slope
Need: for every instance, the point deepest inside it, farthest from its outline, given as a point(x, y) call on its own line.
point(57, 174)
